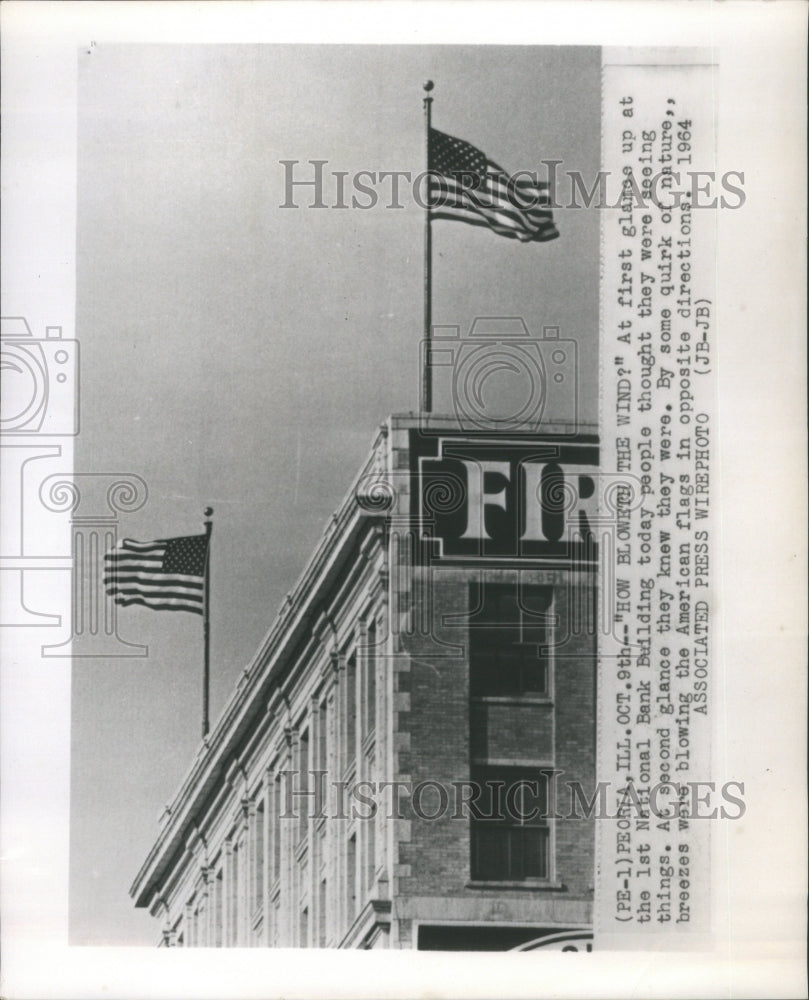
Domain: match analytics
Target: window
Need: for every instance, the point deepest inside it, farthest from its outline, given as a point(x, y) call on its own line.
point(276, 829)
point(351, 876)
point(191, 922)
point(218, 900)
point(301, 897)
point(323, 732)
point(510, 832)
point(508, 640)
point(369, 699)
point(370, 853)
point(351, 710)
point(200, 922)
point(233, 893)
point(303, 784)
point(258, 857)
point(321, 914)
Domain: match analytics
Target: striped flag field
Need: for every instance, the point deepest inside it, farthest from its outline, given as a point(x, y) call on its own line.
point(466, 186)
point(165, 575)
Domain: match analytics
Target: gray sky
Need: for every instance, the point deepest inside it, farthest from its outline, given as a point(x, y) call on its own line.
point(241, 355)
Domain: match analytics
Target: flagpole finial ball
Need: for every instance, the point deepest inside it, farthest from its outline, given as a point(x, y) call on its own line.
point(428, 86)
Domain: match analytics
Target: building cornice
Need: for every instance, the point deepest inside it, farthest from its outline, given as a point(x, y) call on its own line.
point(346, 536)
point(300, 611)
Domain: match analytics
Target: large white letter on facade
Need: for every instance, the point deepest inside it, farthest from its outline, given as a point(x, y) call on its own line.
point(478, 499)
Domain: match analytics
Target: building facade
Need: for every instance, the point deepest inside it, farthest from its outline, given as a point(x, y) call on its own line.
point(394, 768)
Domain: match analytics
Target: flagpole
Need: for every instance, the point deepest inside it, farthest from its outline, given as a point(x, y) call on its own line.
point(206, 625)
point(427, 373)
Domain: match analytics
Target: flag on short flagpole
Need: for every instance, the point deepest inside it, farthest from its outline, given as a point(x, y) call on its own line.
point(466, 186)
point(166, 575)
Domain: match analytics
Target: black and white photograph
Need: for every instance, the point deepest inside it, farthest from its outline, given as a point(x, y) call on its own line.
point(259, 218)
point(385, 464)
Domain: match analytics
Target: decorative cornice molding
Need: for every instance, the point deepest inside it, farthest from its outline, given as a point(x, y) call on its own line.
point(323, 575)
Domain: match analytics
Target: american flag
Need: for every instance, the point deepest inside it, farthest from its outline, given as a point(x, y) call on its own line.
point(466, 186)
point(167, 574)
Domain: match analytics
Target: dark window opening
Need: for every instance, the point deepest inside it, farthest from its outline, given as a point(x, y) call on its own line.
point(480, 938)
point(510, 832)
point(509, 632)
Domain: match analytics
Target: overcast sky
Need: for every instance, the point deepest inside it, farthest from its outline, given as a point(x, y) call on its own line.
point(242, 355)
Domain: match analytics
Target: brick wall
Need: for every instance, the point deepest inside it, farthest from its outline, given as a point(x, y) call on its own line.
point(438, 724)
point(574, 707)
point(435, 728)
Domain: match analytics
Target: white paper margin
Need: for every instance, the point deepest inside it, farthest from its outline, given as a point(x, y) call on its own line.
point(760, 863)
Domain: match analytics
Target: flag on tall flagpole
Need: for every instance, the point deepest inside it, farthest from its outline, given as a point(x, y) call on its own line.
point(167, 575)
point(466, 186)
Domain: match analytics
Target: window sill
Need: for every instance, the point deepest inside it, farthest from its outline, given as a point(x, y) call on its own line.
point(528, 884)
point(512, 699)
